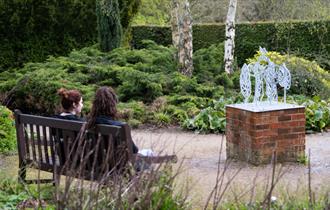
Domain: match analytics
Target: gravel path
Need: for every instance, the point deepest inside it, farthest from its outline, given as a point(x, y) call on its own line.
point(201, 157)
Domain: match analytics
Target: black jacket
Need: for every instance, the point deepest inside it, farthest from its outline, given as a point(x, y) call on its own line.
point(109, 121)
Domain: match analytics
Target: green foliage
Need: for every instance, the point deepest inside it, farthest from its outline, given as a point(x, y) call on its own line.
point(148, 84)
point(317, 112)
point(133, 112)
point(211, 119)
point(32, 30)
point(12, 193)
point(108, 24)
point(208, 62)
point(162, 119)
point(308, 78)
point(128, 10)
point(153, 12)
point(302, 159)
point(7, 131)
point(304, 38)
point(224, 80)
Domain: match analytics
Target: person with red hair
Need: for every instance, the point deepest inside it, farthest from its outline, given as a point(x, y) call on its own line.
point(72, 104)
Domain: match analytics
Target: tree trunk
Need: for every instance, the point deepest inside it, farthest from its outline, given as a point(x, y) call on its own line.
point(185, 42)
point(175, 23)
point(230, 37)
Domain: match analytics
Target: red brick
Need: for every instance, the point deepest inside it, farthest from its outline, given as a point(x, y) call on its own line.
point(298, 130)
point(298, 116)
point(276, 113)
point(282, 131)
point(289, 136)
point(291, 111)
point(284, 118)
point(261, 127)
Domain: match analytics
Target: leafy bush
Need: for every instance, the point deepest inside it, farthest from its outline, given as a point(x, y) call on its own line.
point(308, 78)
point(208, 62)
point(211, 119)
point(161, 119)
point(137, 85)
point(134, 112)
point(12, 194)
point(7, 131)
point(142, 75)
point(317, 112)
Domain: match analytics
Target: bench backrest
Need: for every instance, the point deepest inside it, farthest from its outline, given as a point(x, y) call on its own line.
point(53, 145)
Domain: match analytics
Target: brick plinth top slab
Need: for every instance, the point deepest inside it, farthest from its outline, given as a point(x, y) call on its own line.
point(253, 135)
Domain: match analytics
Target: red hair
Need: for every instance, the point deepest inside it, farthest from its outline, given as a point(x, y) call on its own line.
point(68, 98)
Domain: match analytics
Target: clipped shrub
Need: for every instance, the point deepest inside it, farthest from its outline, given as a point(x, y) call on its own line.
point(306, 38)
point(208, 62)
point(7, 131)
point(139, 85)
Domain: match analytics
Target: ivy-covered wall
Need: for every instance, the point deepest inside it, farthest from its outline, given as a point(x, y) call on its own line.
point(309, 39)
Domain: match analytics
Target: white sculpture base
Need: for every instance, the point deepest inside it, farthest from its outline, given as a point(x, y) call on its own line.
point(264, 106)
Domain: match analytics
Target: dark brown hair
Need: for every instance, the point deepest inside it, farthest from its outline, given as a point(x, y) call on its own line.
point(104, 104)
point(68, 98)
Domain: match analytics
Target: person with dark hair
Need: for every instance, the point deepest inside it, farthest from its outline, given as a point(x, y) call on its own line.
point(72, 104)
point(104, 110)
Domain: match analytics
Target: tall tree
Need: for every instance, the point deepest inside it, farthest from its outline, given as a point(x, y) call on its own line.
point(230, 37)
point(186, 42)
point(181, 25)
point(108, 23)
point(175, 23)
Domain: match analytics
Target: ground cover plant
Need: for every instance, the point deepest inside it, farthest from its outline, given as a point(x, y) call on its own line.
point(7, 131)
point(151, 90)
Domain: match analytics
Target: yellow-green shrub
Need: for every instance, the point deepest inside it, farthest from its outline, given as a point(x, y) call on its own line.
point(308, 78)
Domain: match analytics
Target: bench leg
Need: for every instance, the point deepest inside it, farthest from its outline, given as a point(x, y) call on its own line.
point(22, 174)
point(56, 179)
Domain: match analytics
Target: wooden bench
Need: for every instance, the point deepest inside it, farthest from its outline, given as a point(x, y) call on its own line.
point(58, 146)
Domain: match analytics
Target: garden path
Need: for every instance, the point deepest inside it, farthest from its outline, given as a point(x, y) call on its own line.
point(201, 157)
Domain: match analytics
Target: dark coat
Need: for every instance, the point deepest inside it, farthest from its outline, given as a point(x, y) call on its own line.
point(109, 121)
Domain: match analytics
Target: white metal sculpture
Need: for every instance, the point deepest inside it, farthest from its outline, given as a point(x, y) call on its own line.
point(264, 70)
point(245, 82)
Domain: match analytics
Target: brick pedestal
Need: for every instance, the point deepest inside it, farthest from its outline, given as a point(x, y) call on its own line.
point(252, 135)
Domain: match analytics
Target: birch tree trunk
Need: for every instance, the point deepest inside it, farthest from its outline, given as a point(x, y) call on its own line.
point(185, 42)
point(175, 23)
point(230, 37)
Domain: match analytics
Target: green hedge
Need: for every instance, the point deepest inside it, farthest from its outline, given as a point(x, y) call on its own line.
point(308, 39)
point(31, 30)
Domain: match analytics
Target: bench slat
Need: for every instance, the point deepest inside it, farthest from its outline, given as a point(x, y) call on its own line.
point(45, 143)
point(39, 144)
